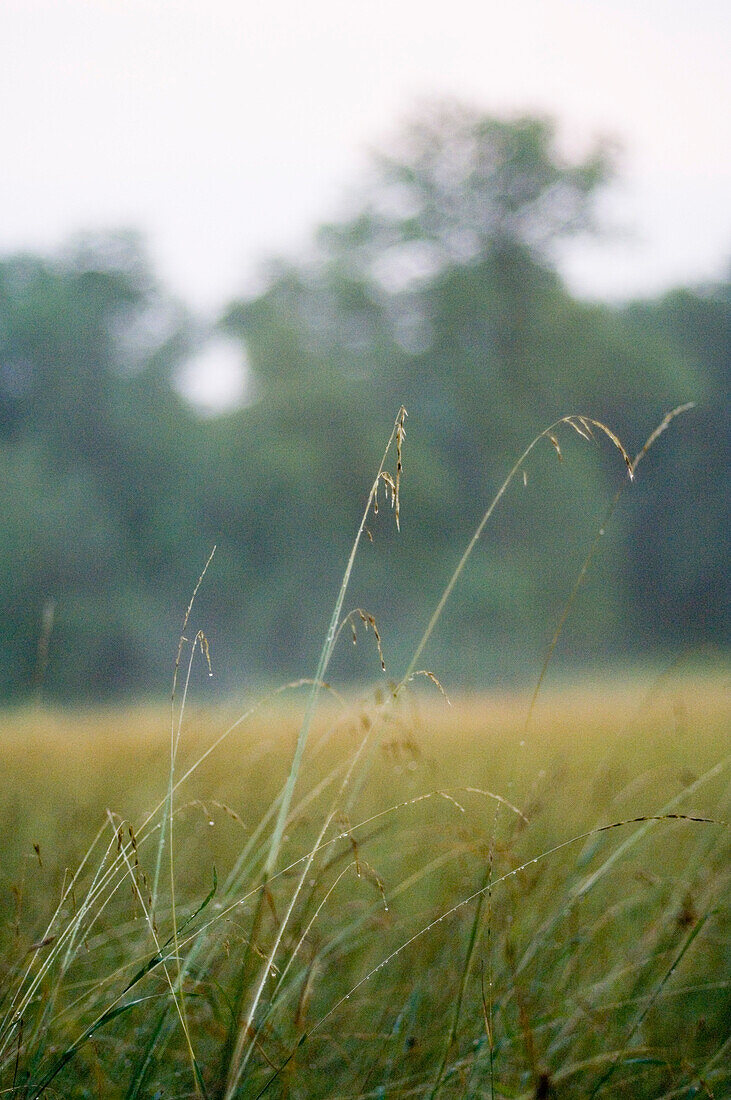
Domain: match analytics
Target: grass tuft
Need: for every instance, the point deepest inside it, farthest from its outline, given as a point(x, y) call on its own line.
point(429, 900)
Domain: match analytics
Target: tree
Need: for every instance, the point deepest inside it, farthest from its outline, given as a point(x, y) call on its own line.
point(440, 291)
point(90, 429)
point(682, 523)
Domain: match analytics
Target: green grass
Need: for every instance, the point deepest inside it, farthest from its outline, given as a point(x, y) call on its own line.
point(391, 895)
point(572, 953)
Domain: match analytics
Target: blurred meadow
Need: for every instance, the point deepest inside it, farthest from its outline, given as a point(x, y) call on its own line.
point(442, 942)
point(480, 849)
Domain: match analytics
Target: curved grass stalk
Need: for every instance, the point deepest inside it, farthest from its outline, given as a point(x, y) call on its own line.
point(176, 988)
point(327, 649)
point(666, 812)
point(606, 518)
point(466, 970)
point(476, 895)
point(16, 1008)
point(511, 874)
point(235, 1067)
point(637, 1022)
point(240, 1059)
point(168, 817)
point(401, 888)
point(397, 434)
point(104, 880)
point(582, 425)
point(197, 936)
point(175, 733)
point(115, 1008)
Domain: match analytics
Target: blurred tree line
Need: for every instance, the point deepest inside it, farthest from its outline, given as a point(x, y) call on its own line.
point(439, 291)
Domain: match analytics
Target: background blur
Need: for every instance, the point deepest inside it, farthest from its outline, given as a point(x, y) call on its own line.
point(494, 218)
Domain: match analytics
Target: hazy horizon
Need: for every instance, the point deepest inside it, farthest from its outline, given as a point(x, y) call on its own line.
point(225, 137)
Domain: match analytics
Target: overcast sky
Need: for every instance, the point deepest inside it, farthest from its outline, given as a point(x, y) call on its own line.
point(226, 130)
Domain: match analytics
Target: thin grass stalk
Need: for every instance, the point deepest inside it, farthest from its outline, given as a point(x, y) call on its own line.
point(68, 946)
point(324, 661)
point(176, 669)
point(548, 433)
point(666, 812)
point(144, 1064)
point(233, 1036)
point(100, 883)
point(578, 838)
point(240, 1059)
point(115, 1008)
point(601, 530)
point(177, 988)
point(67, 935)
point(252, 710)
point(107, 880)
point(234, 1070)
point(200, 944)
point(487, 1005)
point(637, 1024)
point(466, 970)
point(177, 996)
point(403, 887)
point(719, 1056)
point(395, 1033)
point(287, 966)
point(510, 874)
point(15, 1011)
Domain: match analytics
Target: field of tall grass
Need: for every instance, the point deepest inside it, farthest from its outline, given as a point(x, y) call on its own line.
point(384, 895)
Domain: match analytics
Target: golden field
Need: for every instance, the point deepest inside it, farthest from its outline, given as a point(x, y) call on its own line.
point(463, 925)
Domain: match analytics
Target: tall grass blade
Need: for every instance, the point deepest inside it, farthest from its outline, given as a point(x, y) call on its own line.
point(601, 531)
point(548, 433)
point(235, 1068)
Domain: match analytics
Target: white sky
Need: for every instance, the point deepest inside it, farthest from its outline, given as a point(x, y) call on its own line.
point(226, 130)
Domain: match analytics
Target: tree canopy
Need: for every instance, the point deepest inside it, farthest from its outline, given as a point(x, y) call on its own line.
point(438, 291)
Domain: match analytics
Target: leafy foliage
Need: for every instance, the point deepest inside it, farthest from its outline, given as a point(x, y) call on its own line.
point(438, 292)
